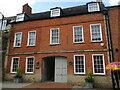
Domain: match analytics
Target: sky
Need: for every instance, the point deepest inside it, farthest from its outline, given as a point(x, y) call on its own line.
point(13, 7)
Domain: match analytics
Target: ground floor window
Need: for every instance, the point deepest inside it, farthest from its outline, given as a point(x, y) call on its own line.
point(29, 64)
point(14, 64)
point(98, 64)
point(79, 64)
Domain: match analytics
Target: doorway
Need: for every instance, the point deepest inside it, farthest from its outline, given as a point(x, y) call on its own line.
point(48, 68)
point(54, 69)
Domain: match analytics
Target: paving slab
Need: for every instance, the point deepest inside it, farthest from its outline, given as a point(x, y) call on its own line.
point(11, 84)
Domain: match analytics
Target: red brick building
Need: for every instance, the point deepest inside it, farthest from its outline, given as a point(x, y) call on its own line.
point(61, 45)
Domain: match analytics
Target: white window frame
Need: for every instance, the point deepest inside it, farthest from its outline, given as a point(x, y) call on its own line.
point(29, 37)
point(98, 7)
point(103, 64)
point(100, 33)
point(74, 35)
point(75, 64)
point(26, 64)
point(55, 15)
point(12, 64)
point(51, 36)
point(15, 39)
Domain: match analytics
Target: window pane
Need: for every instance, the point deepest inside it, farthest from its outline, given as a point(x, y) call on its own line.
point(30, 65)
point(98, 64)
point(54, 36)
point(15, 63)
point(96, 33)
point(78, 35)
point(17, 39)
point(55, 12)
point(93, 7)
point(32, 37)
point(79, 64)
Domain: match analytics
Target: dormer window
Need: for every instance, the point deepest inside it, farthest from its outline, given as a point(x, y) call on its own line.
point(55, 12)
point(20, 17)
point(92, 7)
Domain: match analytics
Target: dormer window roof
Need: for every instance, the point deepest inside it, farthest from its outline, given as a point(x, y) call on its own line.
point(20, 17)
point(92, 7)
point(55, 12)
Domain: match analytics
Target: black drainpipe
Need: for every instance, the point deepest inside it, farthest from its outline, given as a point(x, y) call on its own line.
point(109, 41)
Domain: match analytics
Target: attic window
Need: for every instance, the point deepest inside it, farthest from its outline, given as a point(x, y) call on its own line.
point(55, 12)
point(20, 17)
point(93, 7)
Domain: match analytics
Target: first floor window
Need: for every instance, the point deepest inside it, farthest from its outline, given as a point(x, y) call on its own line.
point(17, 39)
point(78, 34)
point(54, 36)
point(31, 38)
point(79, 64)
point(96, 33)
point(14, 64)
point(98, 64)
point(29, 64)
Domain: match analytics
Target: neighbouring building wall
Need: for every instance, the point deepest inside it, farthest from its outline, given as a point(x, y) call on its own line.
point(115, 31)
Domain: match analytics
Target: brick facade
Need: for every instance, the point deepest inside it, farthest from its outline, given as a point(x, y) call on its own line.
point(66, 47)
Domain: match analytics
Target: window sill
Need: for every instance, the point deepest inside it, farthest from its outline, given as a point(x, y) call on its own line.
point(99, 74)
point(30, 46)
point(29, 73)
point(17, 46)
point(54, 44)
point(79, 43)
point(12, 72)
point(97, 42)
point(79, 74)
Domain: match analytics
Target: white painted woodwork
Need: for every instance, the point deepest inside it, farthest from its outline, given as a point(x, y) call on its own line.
point(60, 69)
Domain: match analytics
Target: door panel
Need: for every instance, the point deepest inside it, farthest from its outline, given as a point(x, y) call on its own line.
point(60, 69)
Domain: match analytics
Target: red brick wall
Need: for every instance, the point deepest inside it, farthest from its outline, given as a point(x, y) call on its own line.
point(115, 31)
point(65, 24)
point(66, 30)
point(70, 57)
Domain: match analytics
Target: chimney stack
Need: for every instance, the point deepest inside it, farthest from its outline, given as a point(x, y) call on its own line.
point(27, 9)
point(98, 0)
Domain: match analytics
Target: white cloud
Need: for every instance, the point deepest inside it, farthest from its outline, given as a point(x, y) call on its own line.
point(114, 2)
point(13, 7)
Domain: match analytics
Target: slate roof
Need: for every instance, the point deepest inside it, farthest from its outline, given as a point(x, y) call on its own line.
point(72, 11)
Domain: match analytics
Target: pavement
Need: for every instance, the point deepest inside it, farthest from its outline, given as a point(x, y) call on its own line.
point(43, 86)
point(11, 84)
